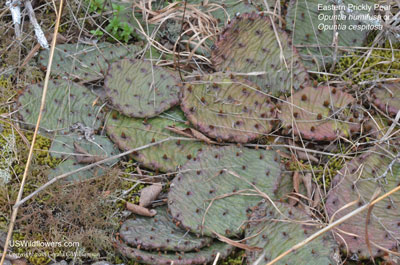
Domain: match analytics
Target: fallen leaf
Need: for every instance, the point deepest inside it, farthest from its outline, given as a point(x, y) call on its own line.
point(317, 196)
point(136, 209)
point(306, 156)
point(307, 180)
point(149, 194)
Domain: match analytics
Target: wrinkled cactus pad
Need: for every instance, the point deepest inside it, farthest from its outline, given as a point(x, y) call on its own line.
point(86, 62)
point(359, 179)
point(213, 193)
point(320, 113)
point(139, 89)
point(314, 33)
point(129, 133)
point(67, 103)
point(387, 97)
point(228, 109)
point(73, 150)
point(160, 233)
point(249, 45)
point(204, 256)
point(275, 233)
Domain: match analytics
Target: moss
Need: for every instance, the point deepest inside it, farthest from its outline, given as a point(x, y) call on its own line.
point(236, 258)
point(382, 63)
point(323, 173)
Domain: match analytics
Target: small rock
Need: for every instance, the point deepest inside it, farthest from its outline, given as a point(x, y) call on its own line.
point(7, 262)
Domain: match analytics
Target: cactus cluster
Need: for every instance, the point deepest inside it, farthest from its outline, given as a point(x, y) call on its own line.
point(144, 237)
point(276, 228)
point(86, 62)
point(203, 256)
point(137, 88)
point(161, 233)
point(67, 103)
point(204, 190)
point(320, 113)
point(358, 180)
point(255, 90)
point(250, 46)
point(228, 108)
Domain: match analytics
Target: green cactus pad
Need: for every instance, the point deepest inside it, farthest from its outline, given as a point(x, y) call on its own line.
point(160, 233)
point(63, 147)
point(228, 109)
point(359, 179)
point(315, 44)
point(249, 45)
point(320, 113)
point(67, 103)
point(274, 233)
point(204, 256)
point(86, 62)
point(139, 89)
point(386, 97)
point(207, 197)
point(129, 133)
point(70, 165)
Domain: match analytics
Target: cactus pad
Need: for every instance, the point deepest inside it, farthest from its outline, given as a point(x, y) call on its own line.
point(160, 233)
point(204, 256)
point(63, 147)
point(207, 197)
point(386, 97)
point(359, 179)
point(228, 109)
point(274, 233)
point(249, 44)
point(86, 62)
point(130, 133)
point(315, 44)
point(139, 89)
point(67, 103)
point(319, 113)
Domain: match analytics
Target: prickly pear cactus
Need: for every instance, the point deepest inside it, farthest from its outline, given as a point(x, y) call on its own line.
point(86, 62)
point(137, 88)
point(160, 233)
point(130, 133)
point(386, 97)
point(228, 109)
point(213, 193)
point(249, 45)
point(72, 149)
point(314, 32)
point(276, 232)
point(204, 256)
point(67, 104)
point(320, 113)
point(359, 179)
point(64, 146)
